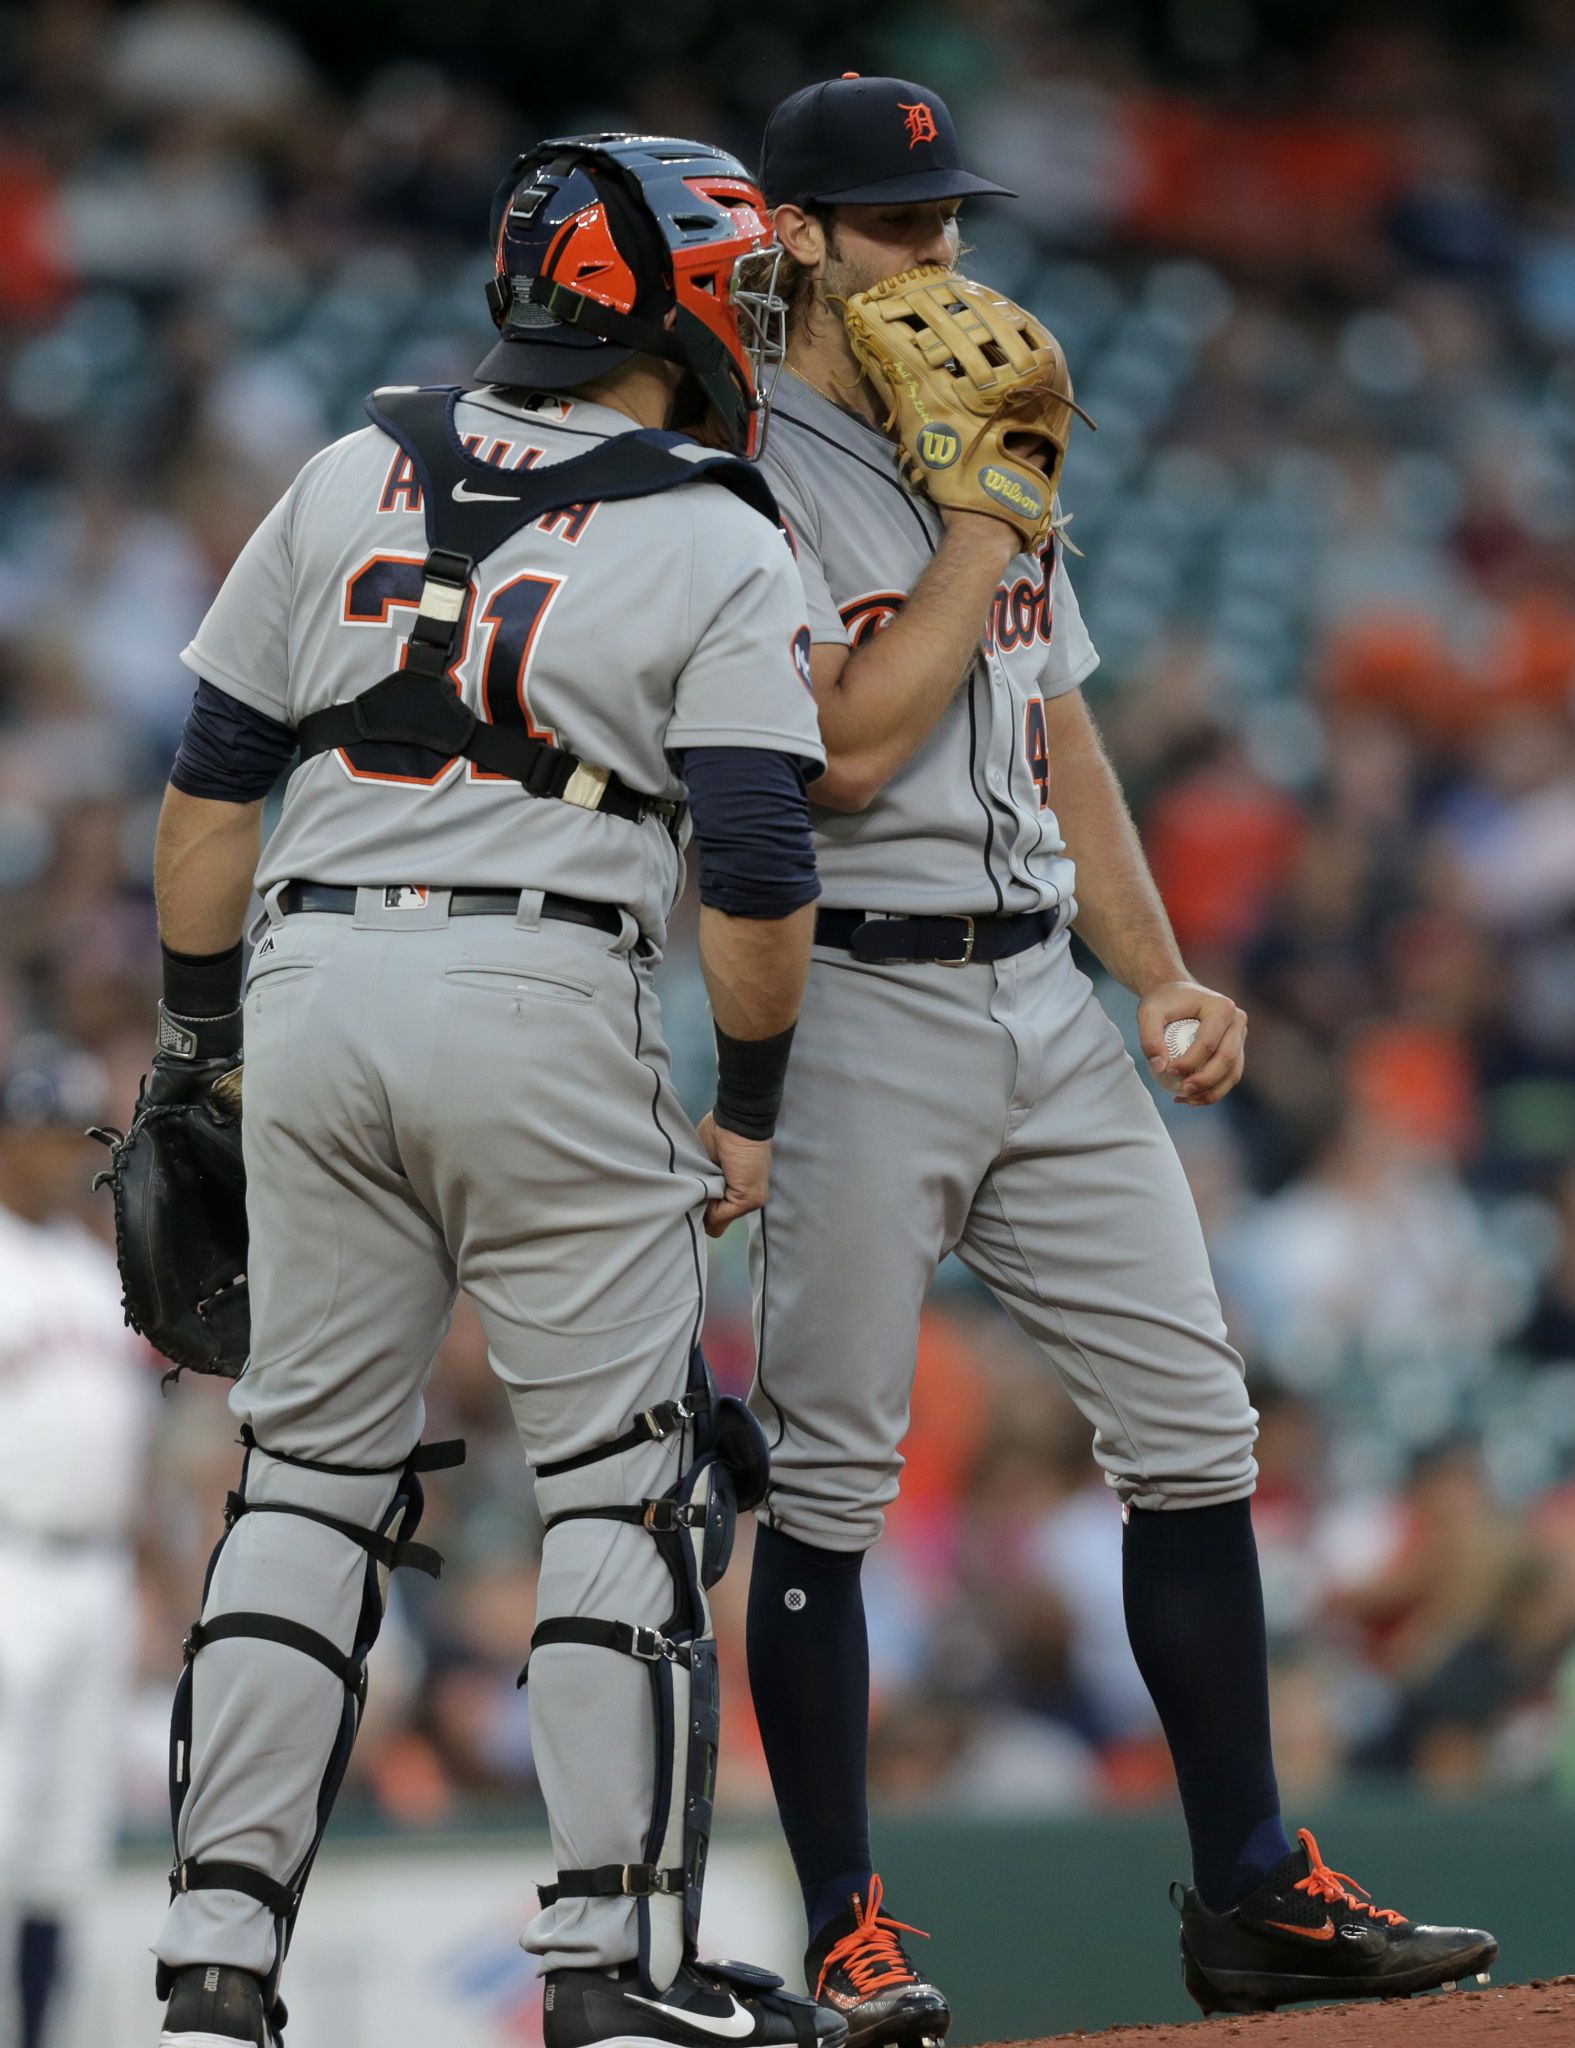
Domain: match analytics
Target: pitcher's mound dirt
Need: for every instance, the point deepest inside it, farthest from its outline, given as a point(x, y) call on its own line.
point(1535, 2015)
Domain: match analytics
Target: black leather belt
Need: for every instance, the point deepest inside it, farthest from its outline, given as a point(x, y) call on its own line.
point(937, 941)
point(601, 917)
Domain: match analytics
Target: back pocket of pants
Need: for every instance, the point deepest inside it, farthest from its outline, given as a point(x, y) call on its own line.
point(513, 981)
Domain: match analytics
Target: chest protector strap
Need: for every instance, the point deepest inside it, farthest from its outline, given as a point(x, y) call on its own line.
point(471, 508)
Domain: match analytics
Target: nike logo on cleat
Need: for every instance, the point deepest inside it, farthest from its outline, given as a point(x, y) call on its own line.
point(733, 2026)
point(462, 494)
point(1324, 1933)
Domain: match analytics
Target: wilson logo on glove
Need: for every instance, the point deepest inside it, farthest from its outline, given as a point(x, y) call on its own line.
point(1015, 491)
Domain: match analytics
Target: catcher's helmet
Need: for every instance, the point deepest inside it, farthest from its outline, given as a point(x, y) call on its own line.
point(610, 244)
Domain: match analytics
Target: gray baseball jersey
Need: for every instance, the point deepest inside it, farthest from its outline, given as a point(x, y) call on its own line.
point(621, 632)
point(985, 1109)
point(967, 825)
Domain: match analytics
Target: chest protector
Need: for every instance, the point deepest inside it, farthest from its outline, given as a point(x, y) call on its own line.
point(471, 508)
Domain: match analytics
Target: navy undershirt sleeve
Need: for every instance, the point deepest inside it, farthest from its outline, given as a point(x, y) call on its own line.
point(228, 751)
point(751, 820)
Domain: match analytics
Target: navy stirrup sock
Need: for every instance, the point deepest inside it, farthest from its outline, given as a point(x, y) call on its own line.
point(1194, 1608)
point(809, 1671)
point(38, 1961)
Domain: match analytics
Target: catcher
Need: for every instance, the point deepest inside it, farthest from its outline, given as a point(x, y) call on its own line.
point(956, 1085)
point(455, 1073)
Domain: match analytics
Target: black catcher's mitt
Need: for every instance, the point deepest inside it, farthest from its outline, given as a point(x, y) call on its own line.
point(180, 1201)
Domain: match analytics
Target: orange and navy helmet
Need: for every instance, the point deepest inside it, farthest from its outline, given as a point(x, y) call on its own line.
point(608, 245)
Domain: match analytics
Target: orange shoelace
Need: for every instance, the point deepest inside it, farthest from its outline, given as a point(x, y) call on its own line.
point(872, 1955)
point(1335, 1888)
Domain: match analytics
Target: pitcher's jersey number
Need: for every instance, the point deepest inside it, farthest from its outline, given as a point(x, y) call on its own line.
point(1036, 744)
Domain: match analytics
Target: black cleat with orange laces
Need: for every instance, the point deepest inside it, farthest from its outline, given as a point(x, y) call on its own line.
point(858, 1968)
point(1307, 1932)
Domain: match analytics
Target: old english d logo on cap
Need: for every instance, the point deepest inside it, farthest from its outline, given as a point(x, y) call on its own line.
point(855, 141)
point(921, 121)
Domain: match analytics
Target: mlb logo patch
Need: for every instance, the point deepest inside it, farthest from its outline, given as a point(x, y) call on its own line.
point(405, 899)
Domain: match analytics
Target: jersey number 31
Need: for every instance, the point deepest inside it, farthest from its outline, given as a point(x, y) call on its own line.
point(510, 621)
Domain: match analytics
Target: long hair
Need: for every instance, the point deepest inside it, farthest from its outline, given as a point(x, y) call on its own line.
point(793, 282)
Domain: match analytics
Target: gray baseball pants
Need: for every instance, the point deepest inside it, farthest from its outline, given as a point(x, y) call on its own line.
point(990, 1110)
point(430, 1104)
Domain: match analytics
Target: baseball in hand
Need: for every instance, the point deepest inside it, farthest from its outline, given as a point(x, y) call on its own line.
point(1178, 1036)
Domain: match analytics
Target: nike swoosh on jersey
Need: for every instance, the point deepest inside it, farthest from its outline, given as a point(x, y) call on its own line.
point(733, 2027)
point(462, 491)
point(1324, 1933)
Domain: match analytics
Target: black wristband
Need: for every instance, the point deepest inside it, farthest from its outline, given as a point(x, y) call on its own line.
point(750, 1073)
point(189, 1040)
point(202, 984)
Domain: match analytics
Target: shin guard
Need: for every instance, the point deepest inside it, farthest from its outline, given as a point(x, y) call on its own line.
point(692, 1524)
point(387, 1547)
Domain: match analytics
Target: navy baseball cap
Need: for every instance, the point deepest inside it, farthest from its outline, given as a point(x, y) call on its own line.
point(857, 141)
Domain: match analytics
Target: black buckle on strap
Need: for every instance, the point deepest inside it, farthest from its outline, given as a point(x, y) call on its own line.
point(614, 1881)
point(667, 1517)
point(648, 1644)
point(661, 1517)
point(649, 1426)
point(629, 1638)
point(447, 565)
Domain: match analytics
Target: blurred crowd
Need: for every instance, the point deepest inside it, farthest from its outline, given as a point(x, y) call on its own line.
point(1321, 302)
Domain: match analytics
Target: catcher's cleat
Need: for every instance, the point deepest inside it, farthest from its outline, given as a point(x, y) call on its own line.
point(706, 2002)
point(860, 1969)
point(1308, 1932)
point(214, 2006)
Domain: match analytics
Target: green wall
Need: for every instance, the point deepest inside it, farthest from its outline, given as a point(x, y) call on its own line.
point(1044, 1927)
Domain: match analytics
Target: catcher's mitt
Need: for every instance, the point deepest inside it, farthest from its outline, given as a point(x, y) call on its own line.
point(180, 1217)
point(977, 389)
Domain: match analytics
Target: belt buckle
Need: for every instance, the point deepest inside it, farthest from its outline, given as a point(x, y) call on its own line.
point(966, 954)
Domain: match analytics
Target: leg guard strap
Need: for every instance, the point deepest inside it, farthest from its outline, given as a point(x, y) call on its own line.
point(440, 1457)
point(613, 1881)
point(649, 1645)
point(649, 1427)
point(192, 1876)
point(275, 1628)
point(391, 1555)
point(662, 1517)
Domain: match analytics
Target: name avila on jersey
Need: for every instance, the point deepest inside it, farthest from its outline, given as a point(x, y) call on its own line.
point(402, 492)
point(1021, 612)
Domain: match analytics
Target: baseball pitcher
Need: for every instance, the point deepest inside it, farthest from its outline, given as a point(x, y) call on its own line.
point(516, 634)
point(956, 1085)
